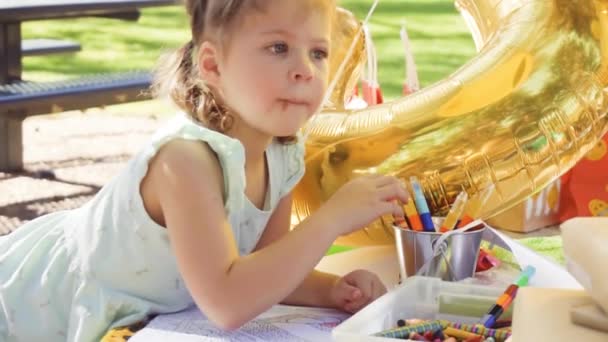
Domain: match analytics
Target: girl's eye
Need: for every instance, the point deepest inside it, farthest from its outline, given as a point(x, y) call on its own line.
point(319, 54)
point(278, 48)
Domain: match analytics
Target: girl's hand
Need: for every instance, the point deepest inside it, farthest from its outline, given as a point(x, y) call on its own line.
point(355, 290)
point(363, 200)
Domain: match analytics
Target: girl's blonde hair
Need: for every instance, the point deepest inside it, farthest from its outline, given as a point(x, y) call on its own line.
point(177, 74)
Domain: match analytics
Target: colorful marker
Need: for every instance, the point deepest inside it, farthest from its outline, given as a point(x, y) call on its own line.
point(412, 214)
point(400, 221)
point(473, 207)
point(451, 220)
point(422, 206)
point(504, 301)
point(525, 276)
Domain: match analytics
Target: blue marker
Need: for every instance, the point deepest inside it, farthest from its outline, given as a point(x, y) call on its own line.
point(422, 206)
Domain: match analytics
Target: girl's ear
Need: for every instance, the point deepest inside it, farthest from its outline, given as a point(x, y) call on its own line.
point(208, 64)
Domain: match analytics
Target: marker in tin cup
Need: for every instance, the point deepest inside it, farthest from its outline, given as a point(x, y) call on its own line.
point(400, 221)
point(473, 207)
point(453, 217)
point(412, 214)
point(422, 206)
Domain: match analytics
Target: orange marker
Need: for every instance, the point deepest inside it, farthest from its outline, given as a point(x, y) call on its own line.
point(473, 208)
point(412, 214)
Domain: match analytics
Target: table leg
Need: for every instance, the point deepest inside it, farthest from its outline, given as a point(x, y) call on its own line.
point(11, 143)
point(10, 51)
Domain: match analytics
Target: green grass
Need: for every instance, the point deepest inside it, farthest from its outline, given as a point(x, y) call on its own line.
point(440, 40)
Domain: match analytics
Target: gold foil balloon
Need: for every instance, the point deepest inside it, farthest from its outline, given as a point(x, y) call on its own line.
point(517, 116)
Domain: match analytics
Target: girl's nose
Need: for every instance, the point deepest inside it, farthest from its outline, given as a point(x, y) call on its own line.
point(301, 70)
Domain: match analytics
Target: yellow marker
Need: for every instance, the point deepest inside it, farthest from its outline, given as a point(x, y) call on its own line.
point(474, 205)
point(412, 214)
point(451, 220)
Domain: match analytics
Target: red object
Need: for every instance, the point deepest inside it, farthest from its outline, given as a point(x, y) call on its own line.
point(486, 260)
point(407, 89)
point(372, 94)
point(584, 190)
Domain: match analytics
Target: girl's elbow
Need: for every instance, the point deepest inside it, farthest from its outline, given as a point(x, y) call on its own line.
point(230, 324)
point(228, 321)
point(224, 316)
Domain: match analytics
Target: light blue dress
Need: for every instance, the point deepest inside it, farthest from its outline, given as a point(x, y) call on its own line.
point(73, 275)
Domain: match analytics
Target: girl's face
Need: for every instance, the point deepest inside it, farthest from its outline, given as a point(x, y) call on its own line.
point(275, 70)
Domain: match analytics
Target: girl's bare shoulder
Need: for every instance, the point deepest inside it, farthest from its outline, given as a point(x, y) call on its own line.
point(181, 169)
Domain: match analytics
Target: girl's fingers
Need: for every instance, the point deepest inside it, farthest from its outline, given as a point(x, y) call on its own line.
point(383, 180)
point(391, 207)
point(379, 290)
point(393, 191)
point(349, 292)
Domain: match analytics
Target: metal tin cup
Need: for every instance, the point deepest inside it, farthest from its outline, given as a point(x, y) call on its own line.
point(451, 256)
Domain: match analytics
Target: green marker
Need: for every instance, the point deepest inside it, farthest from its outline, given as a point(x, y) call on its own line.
point(525, 276)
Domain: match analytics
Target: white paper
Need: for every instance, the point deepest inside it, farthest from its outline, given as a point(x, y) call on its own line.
point(281, 323)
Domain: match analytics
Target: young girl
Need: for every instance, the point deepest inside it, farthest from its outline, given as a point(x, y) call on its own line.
point(202, 214)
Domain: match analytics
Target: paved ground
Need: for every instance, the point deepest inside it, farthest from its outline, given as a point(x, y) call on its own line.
point(69, 156)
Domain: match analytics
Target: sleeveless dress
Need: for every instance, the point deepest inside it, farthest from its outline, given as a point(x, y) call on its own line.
point(73, 275)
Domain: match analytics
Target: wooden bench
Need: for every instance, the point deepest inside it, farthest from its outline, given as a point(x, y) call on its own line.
point(21, 99)
point(41, 47)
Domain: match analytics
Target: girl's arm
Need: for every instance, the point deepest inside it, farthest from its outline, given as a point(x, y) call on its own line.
point(186, 178)
point(315, 289)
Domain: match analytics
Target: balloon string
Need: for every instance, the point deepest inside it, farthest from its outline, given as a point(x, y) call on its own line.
point(340, 71)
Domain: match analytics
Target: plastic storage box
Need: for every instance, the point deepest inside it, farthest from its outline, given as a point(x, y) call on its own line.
point(419, 297)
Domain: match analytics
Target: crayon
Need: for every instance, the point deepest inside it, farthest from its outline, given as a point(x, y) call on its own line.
point(417, 337)
point(453, 217)
point(460, 334)
point(422, 206)
point(502, 324)
point(498, 335)
point(405, 331)
point(473, 207)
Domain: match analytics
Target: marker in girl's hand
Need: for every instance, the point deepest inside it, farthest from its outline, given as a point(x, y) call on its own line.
point(412, 214)
point(422, 206)
point(400, 220)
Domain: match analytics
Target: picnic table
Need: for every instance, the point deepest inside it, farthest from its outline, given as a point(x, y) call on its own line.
point(20, 98)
